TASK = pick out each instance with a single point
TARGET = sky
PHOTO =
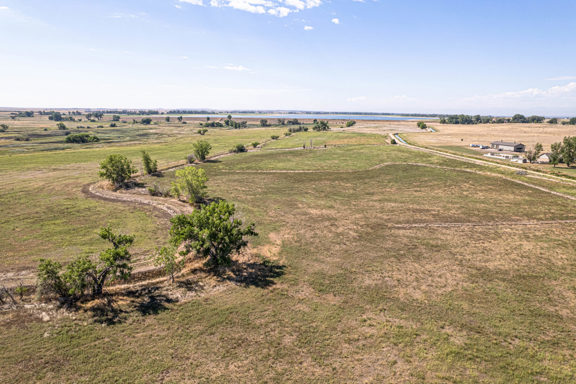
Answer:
(435, 56)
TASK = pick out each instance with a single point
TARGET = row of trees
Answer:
(518, 118)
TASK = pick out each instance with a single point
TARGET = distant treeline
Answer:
(477, 119)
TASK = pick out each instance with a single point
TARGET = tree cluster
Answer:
(81, 138)
(321, 125)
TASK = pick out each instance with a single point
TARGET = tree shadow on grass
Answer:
(254, 274)
(115, 309)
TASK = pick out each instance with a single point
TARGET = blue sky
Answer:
(484, 56)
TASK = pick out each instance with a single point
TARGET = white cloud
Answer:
(193, 2)
(128, 15)
(237, 68)
(177, 6)
(557, 91)
(279, 8)
(308, 27)
(356, 99)
(562, 78)
(335, 20)
(4, 8)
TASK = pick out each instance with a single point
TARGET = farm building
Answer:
(544, 158)
(507, 146)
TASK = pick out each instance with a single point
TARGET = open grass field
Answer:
(372, 283)
(457, 138)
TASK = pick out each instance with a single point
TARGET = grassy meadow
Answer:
(360, 294)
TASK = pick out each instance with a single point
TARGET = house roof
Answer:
(507, 143)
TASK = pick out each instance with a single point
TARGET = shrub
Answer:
(117, 169)
(287, 133)
(190, 159)
(300, 128)
(81, 138)
(3, 127)
(255, 144)
(156, 190)
(61, 126)
(201, 149)
(150, 166)
(393, 141)
(211, 232)
(238, 148)
(274, 137)
(22, 138)
(350, 123)
(190, 181)
(146, 121)
(113, 125)
(321, 125)
(202, 131)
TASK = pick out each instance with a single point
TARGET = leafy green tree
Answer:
(190, 181)
(212, 232)
(533, 154)
(81, 138)
(180, 118)
(201, 149)
(117, 169)
(264, 123)
(350, 123)
(553, 121)
(238, 148)
(168, 259)
(115, 117)
(146, 121)
(61, 126)
(114, 263)
(422, 125)
(49, 279)
(150, 166)
(321, 125)
(274, 137)
(569, 150)
(3, 127)
(167, 118)
(555, 153)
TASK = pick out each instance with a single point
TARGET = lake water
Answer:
(303, 116)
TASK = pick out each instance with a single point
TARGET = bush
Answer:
(393, 141)
(350, 123)
(113, 125)
(202, 131)
(81, 138)
(211, 232)
(150, 166)
(156, 190)
(22, 138)
(190, 159)
(201, 149)
(321, 125)
(274, 137)
(146, 121)
(99, 126)
(287, 133)
(61, 126)
(3, 127)
(300, 128)
(255, 144)
(422, 125)
(117, 169)
(238, 148)
(190, 181)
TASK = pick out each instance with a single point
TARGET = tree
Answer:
(518, 118)
(321, 125)
(83, 274)
(180, 118)
(274, 137)
(569, 150)
(61, 126)
(202, 131)
(150, 166)
(201, 149)
(167, 258)
(553, 121)
(190, 181)
(114, 262)
(238, 148)
(117, 169)
(350, 123)
(533, 154)
(555, 153)
(422, 125)
(212, 232)
(115, 117)
(3, 127)
(146, 121)
(255, 144)
(264, 123)
(167, 118)
(81, 138)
